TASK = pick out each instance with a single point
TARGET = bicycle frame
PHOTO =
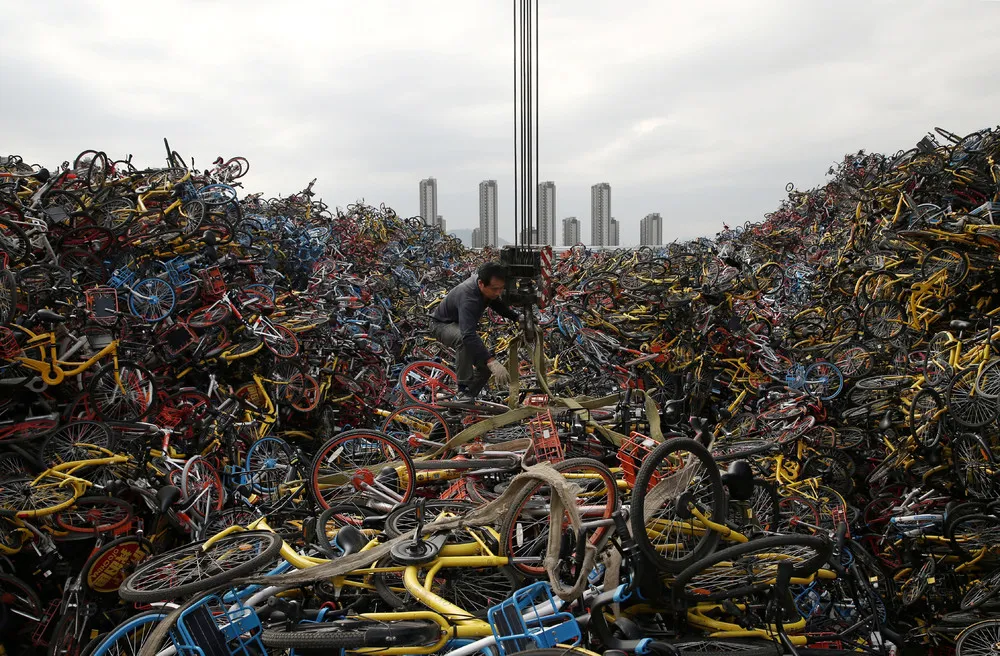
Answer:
(54, 369)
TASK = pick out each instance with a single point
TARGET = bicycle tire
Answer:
(715, 495)
(400, 425)
(174, 564)
(975, 469)
(321, 635)
(208, 315)
(8, 296)
(63, 640)
(514, 528)
(286, 345)
(982, 590)
(152, 300)
(129, 636)
(883, 320)
(966, 407)
(924, 424)
(197, 475)
(726, 646)
(13, 241)
(823, 380)
(978, 639)
(351, 480)
(113, 402)
(815, 551)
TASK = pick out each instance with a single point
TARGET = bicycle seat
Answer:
(958, 324)
(48, 316)
(350, 539)
(886, 422)
(167, 496)
(739, 480)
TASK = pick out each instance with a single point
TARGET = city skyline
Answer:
(545, 231)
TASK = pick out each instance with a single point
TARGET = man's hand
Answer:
(499, 372)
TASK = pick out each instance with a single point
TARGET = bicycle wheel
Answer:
(13, 241)
(524, 533)
(988, 380)
(359, 466)
(677, 472)
(351, 633)
(75, 441)
(423, 382)
(20, 600)
(970, 534)
(980, 639)
(208, 315)
(945, 257)
(926, 410)
(91, 516)
(751, 567)
(283, 344)
(269, 462)
(981, 591)
(127, 393)
(199, 478)
(727, 646)
(128, 638)
(27, 498)
(152, 299)
(974, 466)
(8, 296)
(193, 568)
(823, 380)
(883, 320)
(966, 405)
(419, 428)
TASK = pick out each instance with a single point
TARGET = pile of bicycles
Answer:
(224, 428)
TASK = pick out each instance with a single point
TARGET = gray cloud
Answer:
(700, 111)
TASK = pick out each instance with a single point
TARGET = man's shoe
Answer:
(464, 397)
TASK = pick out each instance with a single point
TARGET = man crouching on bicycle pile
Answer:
(455, 323)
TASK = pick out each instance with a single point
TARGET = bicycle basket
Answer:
(102, 305)
(545, 438)
(177, 338)
(632, 452)
(212, 626)
(215, 284)
(9, 348)
(527, 621)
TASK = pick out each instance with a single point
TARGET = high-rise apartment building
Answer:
(488, 213)
(475, 238)
(571, 231)
(547, 213)
(613, 233)
(651, 230)
(429, 200)
(441, 224)
(600, 214)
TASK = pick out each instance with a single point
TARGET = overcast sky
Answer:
(701, 111)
